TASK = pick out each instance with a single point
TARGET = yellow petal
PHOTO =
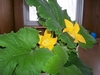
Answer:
(52, 41)
(76, 28)
(41, 46)
(69, 25)
(72, 34)
(50, 47)
(65, 30)
(75, 41)
(47, 41)
(79, 38)
(47, 34)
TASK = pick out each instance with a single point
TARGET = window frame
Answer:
(27, 22)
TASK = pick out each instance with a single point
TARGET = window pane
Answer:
(32, 14)
(70, 5)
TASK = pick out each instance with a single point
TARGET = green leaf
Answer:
(64, 37)
(58, 12)
(71, 70)
(23, 35)
(55, 65)
(50, 13)
(75, 60)
(89, 39)
(53, 25)
(36, 2)
(18, 53)
(65, 15)
(34, 62)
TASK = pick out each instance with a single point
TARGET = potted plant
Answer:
(27, 52)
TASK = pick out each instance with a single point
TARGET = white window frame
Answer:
(79, 14)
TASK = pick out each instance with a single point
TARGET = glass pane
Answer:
(32, 14)
(70, 5)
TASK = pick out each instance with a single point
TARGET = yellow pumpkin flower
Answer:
(73, 31)
(47, 41)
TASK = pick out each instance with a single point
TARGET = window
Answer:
(74, 8)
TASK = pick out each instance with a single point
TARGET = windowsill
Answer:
(35, 26)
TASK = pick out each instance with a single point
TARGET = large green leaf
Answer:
(65, 15)
(67, 39)
(55, 65)
(18, 55)
(20, 38)
(53, 26)
(89, 39)
(58, 12)
(36, 3)
(75, 60)
(34, 62)
(50, 14)
(71, 70)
